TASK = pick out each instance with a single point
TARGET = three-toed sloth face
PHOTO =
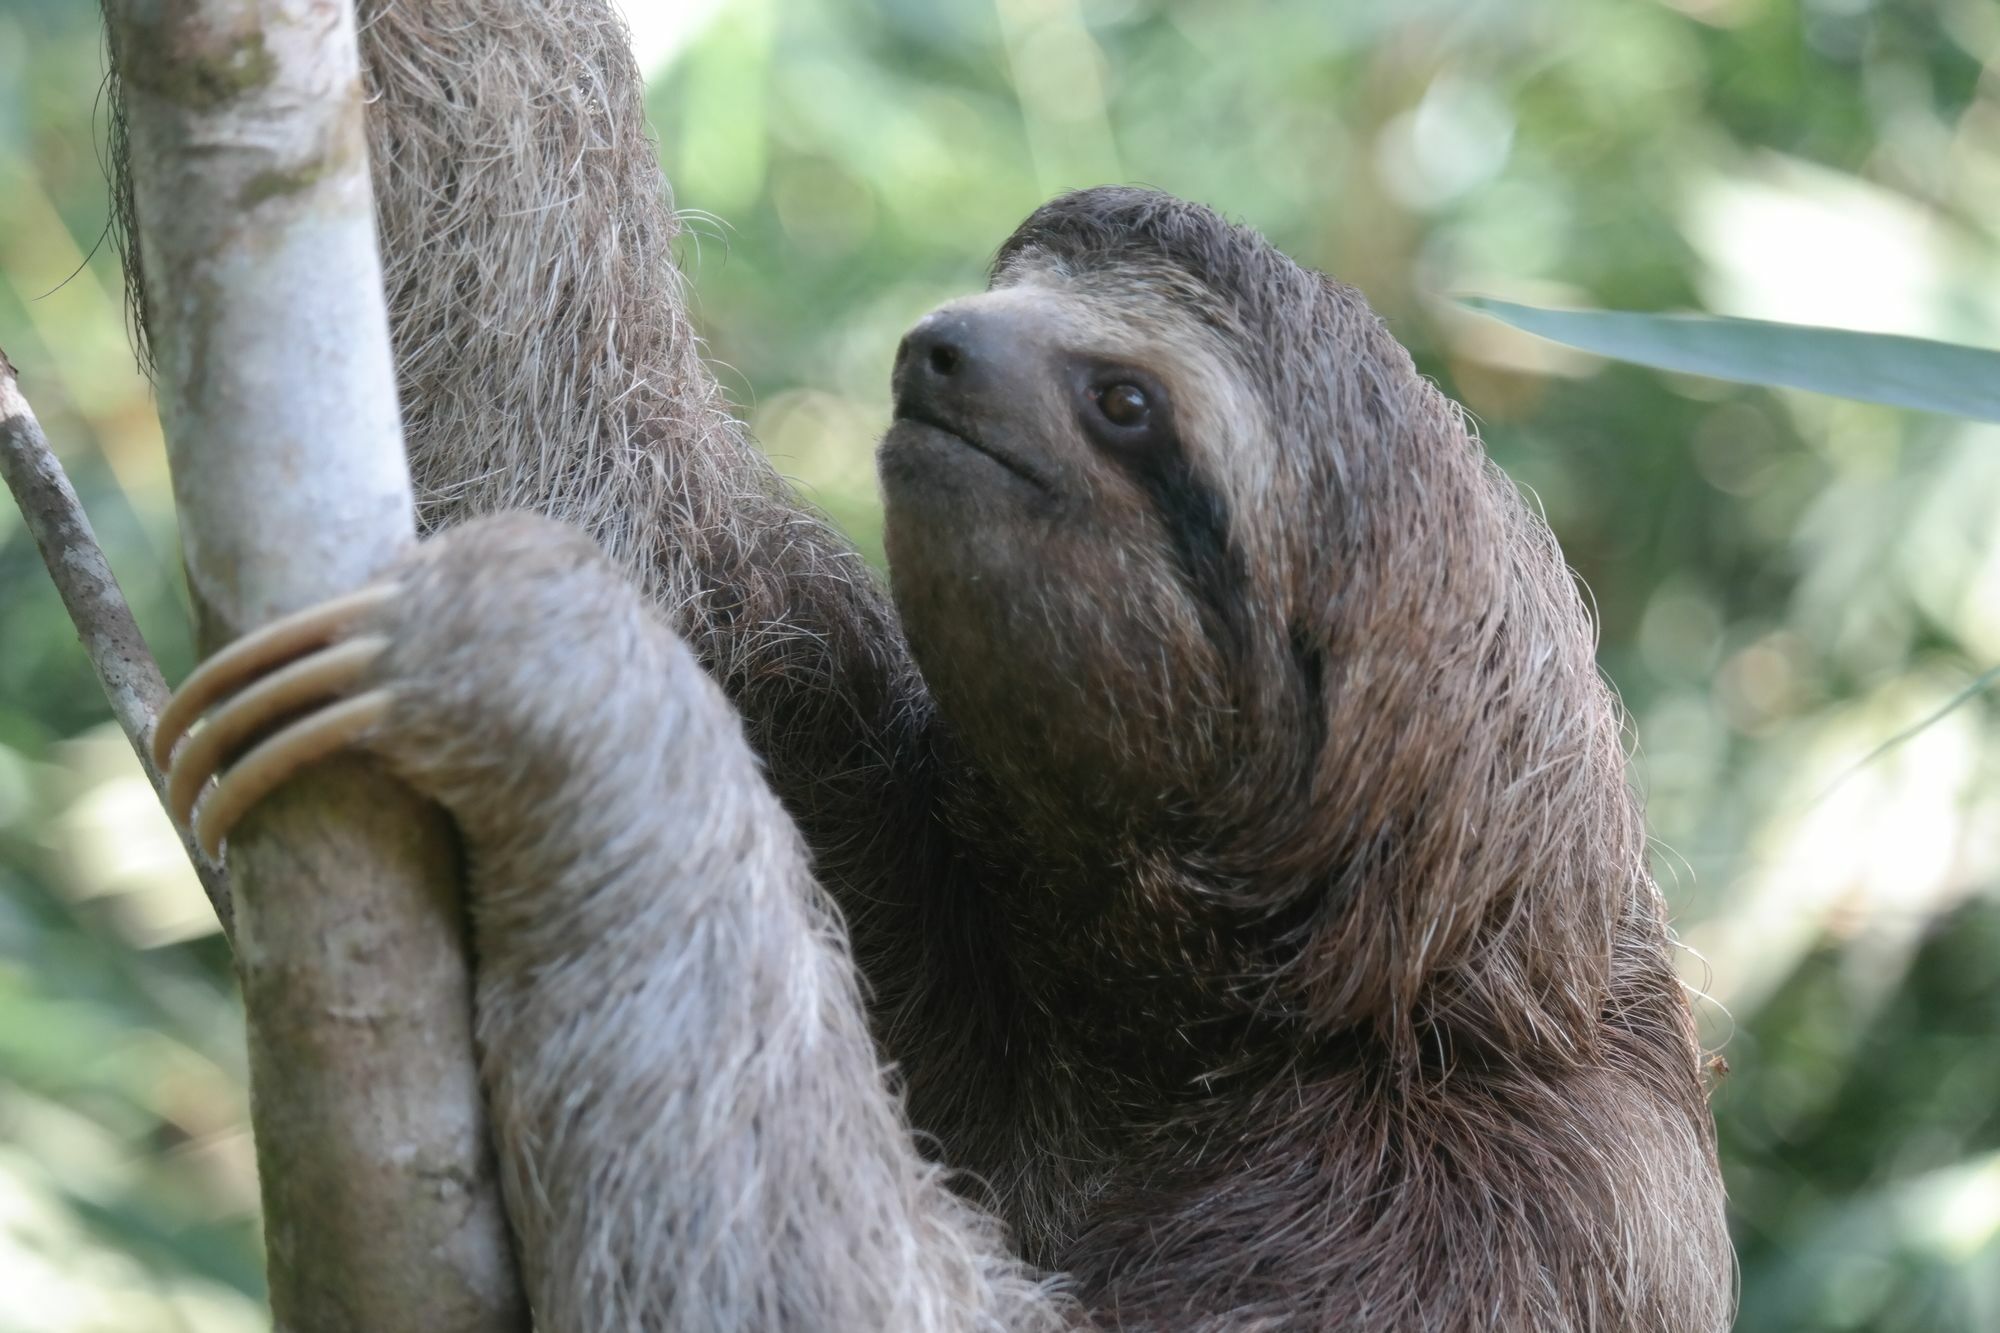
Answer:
(1060, 527)
(1090, 494)
(1206, 577)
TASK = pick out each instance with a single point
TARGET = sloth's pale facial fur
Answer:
(1066, 457)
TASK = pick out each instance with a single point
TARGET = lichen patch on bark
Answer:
(191, 64)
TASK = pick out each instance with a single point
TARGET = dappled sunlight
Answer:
(1869, 855)
(1774, 236)
(119, 847)
(60, 1278)
(128, 1189)
(660, 32)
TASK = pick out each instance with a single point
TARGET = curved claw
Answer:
(324, 675)
(255, 653)
(253, 777)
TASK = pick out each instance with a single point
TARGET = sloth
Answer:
(1202, 893)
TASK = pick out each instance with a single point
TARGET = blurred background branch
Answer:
(1784, 581)
(130, 678)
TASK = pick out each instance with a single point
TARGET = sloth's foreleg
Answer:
(694, 1128)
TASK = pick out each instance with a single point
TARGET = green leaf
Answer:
(1873, 367)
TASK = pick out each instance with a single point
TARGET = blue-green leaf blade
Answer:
(1872, 367)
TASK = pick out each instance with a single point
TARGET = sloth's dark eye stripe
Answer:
(1196, 516)
(1198, 526)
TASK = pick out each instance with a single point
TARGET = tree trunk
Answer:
(264, 304)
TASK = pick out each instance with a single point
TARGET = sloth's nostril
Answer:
(944, 358)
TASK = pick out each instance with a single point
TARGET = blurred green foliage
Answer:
(1783, 581)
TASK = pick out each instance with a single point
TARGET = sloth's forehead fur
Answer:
(1268, 355)
(1219, 273)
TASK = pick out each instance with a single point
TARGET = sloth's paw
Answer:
(276, 700)
(505, 651)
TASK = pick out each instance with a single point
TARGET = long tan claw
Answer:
(256, 774)
(324, 675)
(255, 653)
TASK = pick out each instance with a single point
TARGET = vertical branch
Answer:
(264, 307)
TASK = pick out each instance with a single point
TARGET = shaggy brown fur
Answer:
(1237, 854)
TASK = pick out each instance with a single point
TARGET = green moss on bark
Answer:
(197, 70)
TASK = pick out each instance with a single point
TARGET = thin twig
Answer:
(1984, 681)
(90, 592)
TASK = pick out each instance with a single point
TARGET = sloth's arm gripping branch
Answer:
(546, 361)
(545, 352)
(695, 1130)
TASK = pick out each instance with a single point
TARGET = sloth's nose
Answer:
(946, 369)
(938, 348)
(963, 360)
(973, 371)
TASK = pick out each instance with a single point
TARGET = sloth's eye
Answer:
(1123, 405)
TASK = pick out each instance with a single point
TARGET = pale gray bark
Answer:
(265, 310)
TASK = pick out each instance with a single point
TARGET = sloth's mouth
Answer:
(917, 416)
